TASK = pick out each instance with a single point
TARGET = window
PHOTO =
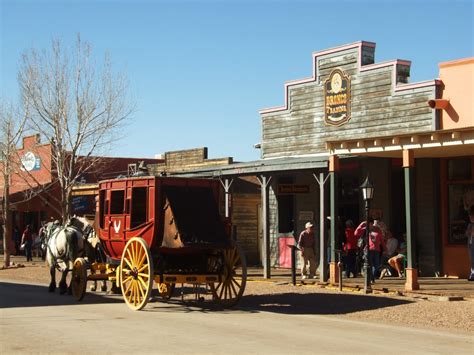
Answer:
(116, 201)
(459, 169)
(460, 197)
(139, 207)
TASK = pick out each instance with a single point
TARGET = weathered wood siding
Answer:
(245, 217)
(185, 160)
(377, 110)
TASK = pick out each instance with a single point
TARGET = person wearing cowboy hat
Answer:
(306, 245)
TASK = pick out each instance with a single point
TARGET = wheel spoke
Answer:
(128, 263)
(142, 258)
(143, 268)
(142, 293)
(222, 291)
(134, 252)
(127, 279)
(128, 287)
(142, 282)
(139, 254)
(129, 258)
(234, 281)
(231, 287)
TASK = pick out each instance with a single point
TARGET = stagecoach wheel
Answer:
(79, 279)
(165, 290)
(136, 273)
(233, 279)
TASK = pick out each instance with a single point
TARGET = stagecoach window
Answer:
(101, 208)
(116, 201)
(139, 206)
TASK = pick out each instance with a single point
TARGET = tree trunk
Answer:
(6, 222)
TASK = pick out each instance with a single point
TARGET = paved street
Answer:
(34, 321)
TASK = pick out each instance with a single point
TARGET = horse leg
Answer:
(63, 284)
(52, 284)
(103, 286)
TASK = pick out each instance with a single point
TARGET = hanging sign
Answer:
(293, 189)
(30, 162)
(337, 98)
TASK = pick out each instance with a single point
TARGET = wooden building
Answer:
(414, 139)
(355, 116)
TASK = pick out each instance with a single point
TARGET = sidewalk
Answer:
(429, 286)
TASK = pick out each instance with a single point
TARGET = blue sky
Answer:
(200, 70)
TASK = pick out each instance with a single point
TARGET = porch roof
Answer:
(260, 167)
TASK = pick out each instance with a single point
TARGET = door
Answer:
(117, 214)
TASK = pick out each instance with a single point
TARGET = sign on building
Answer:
(337, 98)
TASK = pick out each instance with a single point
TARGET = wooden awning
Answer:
(435, 144)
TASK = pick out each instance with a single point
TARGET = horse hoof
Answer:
(103, 288)
(51, 288)
(93, 288)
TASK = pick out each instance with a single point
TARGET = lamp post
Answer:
(367, 189)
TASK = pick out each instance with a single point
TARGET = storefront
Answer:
(415, 141)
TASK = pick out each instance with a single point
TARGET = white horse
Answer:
(63, 245)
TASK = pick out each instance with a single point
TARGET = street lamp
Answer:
(367, 189)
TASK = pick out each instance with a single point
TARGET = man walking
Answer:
(306, 245)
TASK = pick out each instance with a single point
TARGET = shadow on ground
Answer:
(23, 295)
(316, 303)
(284, 303)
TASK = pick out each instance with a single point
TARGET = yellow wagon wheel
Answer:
(79, 278)
(136, 273)
(166, 290)
(233, 279)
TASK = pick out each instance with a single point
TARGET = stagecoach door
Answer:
(117, 214)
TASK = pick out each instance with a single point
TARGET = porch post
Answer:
(264, 182)
(333, 172)
(411, 271)
(322, 229)
(226, 185)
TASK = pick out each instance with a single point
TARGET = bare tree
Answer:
(12, 124)
(77, 105)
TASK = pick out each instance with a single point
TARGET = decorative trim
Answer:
(359, 45)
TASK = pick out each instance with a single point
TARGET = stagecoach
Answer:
(163, 231)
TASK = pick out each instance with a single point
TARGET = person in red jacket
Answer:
(350, 248)
(376, 246)
(27, 240)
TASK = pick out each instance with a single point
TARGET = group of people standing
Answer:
(383, 248)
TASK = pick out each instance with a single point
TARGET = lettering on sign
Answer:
(293, 189)
(337, 98)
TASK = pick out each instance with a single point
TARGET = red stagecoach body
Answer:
(172, 215)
